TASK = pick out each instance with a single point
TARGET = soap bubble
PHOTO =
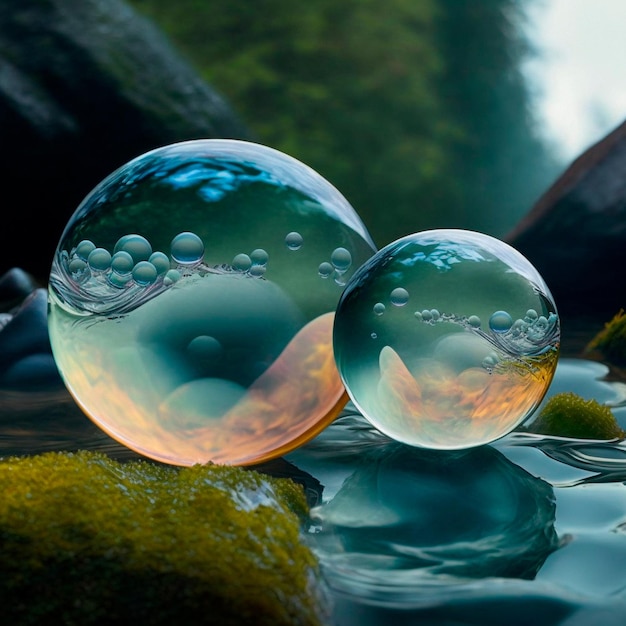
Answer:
(207, 335)
(436, 376)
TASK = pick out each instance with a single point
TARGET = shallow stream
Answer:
(530, 529)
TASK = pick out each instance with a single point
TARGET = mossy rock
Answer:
(569, 415)
(610, 342)
(88, 540)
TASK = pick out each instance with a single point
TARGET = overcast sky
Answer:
(581, 76)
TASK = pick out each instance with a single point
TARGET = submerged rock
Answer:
(88, 540)
(26, 356)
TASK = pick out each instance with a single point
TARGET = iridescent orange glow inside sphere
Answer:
(192, 298)
(447, 339)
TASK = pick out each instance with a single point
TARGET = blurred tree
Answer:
(501, 164)
(415, 110)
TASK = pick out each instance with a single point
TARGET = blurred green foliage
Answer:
(416, 110)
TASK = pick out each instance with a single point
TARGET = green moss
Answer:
(569, 415)
(611, 340)
(88, 540)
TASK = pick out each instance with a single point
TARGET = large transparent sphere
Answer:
(446, 339)
(192, 298)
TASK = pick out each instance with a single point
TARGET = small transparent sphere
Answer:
(469, 360)
(188, 314)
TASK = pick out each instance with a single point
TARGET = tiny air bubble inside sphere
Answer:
(144, 273)
(187, 248)
(435, 377)
(122, 263)
(137, 246)
(259, 257)
(161, 261)
(242, 262)
(325, 269)
(341, 259)
(399, 296)
(84, 248)
(294, 240)
(99, 260)
(500, 322)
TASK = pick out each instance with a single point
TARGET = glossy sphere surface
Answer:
(188, 316)
(446, 339)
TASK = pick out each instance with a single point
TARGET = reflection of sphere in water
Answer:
(189, 316)
(411, 516)
(466, 353)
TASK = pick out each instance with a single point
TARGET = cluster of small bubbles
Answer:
(458, 374)
(254, 264)
(294, 240)
(518, 337)
(133, 261)
(340, 263)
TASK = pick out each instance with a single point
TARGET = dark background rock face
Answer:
(85, 87)
(576, 233)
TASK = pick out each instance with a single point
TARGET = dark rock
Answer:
(15, 285)
(35, 371)
(575, 235)
(25, 346)
(85, 87)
